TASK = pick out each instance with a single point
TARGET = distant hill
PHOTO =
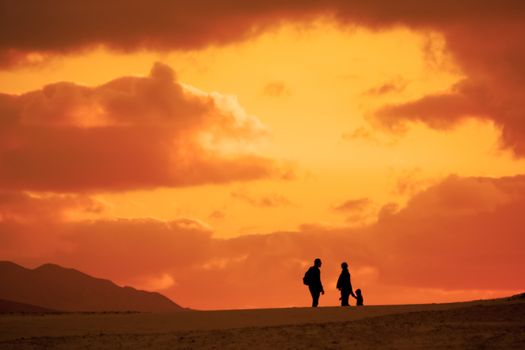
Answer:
(58, 288)
(13, 306)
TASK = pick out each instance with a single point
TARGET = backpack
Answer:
(307, 278)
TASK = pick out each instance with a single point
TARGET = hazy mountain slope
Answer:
(52, 286)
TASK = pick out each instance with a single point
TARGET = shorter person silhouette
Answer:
(359, 298)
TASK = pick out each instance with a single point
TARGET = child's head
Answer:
(358, 292)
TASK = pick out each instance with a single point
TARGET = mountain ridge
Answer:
(55, 287)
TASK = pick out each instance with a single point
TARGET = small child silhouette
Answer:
(359, 297)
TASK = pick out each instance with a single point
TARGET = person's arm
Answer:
(351, 289)
(321, 283)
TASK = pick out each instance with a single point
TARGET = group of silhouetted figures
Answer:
(312, 278)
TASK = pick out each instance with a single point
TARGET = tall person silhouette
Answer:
(345, 285)
(312, 278)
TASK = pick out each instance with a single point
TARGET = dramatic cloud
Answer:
(58, 26)
(464, 234)
(33, 31)
(267, 201)
(409, 182)
(19, 206)
(358, 211)
(31, 225)
(353, 205)
(129, 133)
(485, 41)
(392, 86)
(483, 37)
(439, 111)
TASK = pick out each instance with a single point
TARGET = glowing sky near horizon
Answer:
(225, 153)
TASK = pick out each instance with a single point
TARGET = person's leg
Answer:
(344, 297)
(315, 297)
(315, 300)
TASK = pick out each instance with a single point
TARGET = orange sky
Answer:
(224, 153)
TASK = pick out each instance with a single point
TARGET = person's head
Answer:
(317, 262)
(344, 266)
(358, 292)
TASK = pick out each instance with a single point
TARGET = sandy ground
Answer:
(496, 324)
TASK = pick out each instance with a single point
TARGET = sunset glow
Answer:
(224, 153)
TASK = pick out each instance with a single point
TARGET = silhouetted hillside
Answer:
(54, 287)
(13, 306)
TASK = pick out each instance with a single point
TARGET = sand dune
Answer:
(492, 324)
